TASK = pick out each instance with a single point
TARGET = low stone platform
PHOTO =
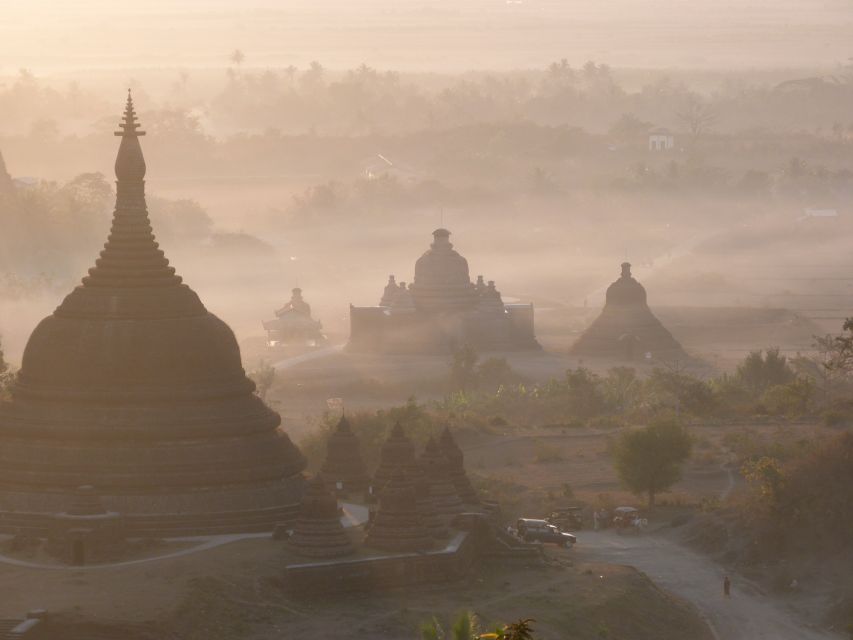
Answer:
(474, 539)
(166, 525)
(383, 571)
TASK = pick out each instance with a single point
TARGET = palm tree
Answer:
(467, 627)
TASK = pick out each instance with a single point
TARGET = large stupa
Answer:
(133, 387)
(627, 329)
(442, 309)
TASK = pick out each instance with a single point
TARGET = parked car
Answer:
(628, 519)
(567, 518)
(531, 530)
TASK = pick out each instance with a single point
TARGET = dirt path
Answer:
(747, 615)
(292, 361)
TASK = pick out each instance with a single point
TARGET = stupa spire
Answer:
(129, 125)
(131, 257)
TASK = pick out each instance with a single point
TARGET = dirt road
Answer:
(747, 615)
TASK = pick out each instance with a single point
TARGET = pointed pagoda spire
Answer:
(130, 163)
(456, 461)
(130, 125)
(397, 452)
(446, 500)
(132, 260)
(344, 468)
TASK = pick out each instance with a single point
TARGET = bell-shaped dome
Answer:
(627, 328)
(132, 386)
(442, 281)
(626, 290)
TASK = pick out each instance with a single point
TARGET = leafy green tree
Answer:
(6, 375)
(649, 460)
(680, 391)
(765, 473)
(463, 368)
(520, 630)
(629, 128)
(263, 377)
(792, 399)
(492, 373)
(761, 370)
(621, 388)
(584, 388)
(465, 627)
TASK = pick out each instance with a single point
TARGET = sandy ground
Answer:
(747, 615)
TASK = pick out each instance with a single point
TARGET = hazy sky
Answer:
(57, 35)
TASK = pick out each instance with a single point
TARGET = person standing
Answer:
(727, 587)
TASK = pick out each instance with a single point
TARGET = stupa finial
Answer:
(626, 269)
(130, 163)
(129, 124)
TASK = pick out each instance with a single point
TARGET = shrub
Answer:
(546, 453)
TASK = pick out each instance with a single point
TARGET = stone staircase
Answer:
(6, 627)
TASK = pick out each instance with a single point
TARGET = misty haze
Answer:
(444, 320)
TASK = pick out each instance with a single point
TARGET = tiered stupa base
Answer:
(316, 539)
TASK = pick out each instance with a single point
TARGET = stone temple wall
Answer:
(376, 330)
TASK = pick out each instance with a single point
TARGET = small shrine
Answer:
(446, 500)
(456, 464)
(318, 532)
(343, 469)
(398, 525)
(294, 325)
(397, 453)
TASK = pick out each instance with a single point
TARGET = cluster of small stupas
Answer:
(133, 387)
(627, 329)
(418, 496)
(440, 310)
(294, 325)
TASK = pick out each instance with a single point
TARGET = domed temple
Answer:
(293, 324)
(441, 309)
(627, 329)
(131, 386)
